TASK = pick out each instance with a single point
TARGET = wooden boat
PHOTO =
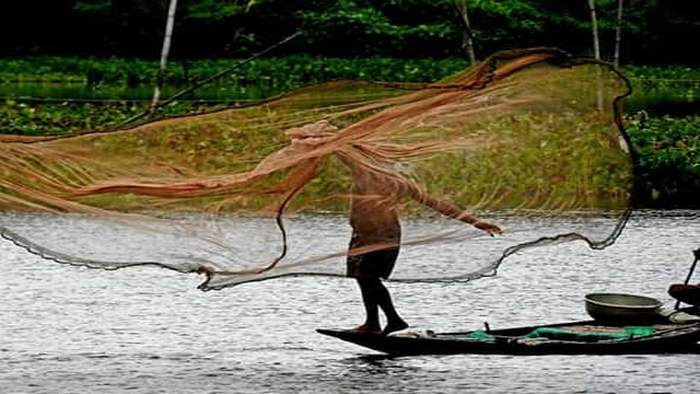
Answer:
(586, 337)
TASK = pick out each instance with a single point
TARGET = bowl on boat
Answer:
(617, 308)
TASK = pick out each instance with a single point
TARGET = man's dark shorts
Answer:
(375, 264)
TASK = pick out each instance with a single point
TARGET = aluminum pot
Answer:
(617, 308)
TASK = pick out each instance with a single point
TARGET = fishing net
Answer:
(528, 143)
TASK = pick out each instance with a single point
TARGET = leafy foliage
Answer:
(669, 159)
(282, 73)
(56, 118)
(354, 27)
(653, 30)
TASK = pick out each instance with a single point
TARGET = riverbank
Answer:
(55, 95)
(58, 95)
(284, 73)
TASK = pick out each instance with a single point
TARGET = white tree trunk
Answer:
(167, 38)
(596, 54)
(594, 27)
(467, 41)
(618, 33)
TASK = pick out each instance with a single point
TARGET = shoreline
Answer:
(667, 143)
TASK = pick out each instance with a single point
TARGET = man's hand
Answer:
(488, 227)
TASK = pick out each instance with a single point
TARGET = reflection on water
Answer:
(68, 329)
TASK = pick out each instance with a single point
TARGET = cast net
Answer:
(528, 142)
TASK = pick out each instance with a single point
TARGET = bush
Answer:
(668, 152)
(284, 73)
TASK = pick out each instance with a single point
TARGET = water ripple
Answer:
(146, 330)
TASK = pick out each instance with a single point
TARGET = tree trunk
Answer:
(594, 27)
(164, 53)
(596, 54)
(618, 33)
(468, 36)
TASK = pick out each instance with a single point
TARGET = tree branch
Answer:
(199, 84)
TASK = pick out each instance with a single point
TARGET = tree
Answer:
(655, 31)
(594, 29)
(363, 27)
(468, 35)
(164, 52)
(225, 16)
(596, 54)
(618, 33)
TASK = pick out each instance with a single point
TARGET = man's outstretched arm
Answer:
(451, 210)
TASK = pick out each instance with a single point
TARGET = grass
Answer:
(668, 146)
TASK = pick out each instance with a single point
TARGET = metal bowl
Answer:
(622, 308)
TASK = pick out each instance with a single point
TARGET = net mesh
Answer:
(525, 149)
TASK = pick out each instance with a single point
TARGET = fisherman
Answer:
(689, 294)
(376, 231)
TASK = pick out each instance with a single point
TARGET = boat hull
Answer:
(668, 339)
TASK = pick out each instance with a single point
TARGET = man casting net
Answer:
(528, 143)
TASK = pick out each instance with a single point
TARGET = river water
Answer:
(148, 330)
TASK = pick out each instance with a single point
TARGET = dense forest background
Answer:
(654, 31)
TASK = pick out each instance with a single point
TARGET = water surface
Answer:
(148, 330)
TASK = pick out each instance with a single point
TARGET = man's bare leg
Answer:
(369, 298)
(394, 321)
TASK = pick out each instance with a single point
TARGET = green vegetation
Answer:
(90, 72)
(670, 73)
(109, 78)
(669, 159)
(281, 73)
(65, 117)
(125, 86)
(654, 31)
(668, 147)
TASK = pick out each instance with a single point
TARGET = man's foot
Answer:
(394, 326)
(368, 329)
